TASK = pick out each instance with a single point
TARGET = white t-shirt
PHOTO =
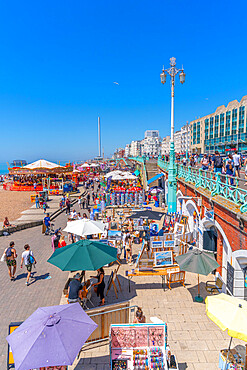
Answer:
(236, 159)
(24, 255)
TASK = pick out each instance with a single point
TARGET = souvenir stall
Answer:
(140, 346)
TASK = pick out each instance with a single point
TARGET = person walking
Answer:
(237, 163)
(47, 223)
(28, 258)
(88, 199)
(11, 256)
(204, 162)
(83, 203)
(37, 201)
(67, 206)
(80, 202)
(229, 169)
(217, 162)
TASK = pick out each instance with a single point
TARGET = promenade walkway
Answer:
(17, 301)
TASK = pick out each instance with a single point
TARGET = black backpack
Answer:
(218, 162)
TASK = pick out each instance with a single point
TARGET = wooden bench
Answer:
(175, 277)
(214, 287)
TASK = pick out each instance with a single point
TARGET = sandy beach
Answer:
(12, 203)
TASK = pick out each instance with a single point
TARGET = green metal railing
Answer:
(217, 183)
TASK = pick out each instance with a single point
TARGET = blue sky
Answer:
(59, 60)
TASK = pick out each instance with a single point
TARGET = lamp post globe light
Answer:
(172, 181)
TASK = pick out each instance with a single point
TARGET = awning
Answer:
(155, 178)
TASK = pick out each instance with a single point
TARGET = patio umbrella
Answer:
(152, 215)
(85, 227)
(51, 336)
(199, 262)
(83, 255)
(230, 314)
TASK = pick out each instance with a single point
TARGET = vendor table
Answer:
(154, 272)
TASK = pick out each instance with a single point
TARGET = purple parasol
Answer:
(51, 336)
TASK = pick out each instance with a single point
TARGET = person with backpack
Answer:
(230, 169)
(217, 162)
(29, 260)
(11, 255)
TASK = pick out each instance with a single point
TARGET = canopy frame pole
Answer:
(228, 352)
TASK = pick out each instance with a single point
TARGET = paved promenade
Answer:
(17, 301)
(192, 336)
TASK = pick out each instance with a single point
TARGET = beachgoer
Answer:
(85, 215)
(237, 163)
(217, 162)
(140, 318)
(204, 162)
(99, 287)
(29, 260)
(67, 206)
(37, 201)
(80, 202)
(55, 239)
(6, 223)
(73, 214)
(44, 206)
(11, 256)
(75, 290)
(47, 223)
(62, 242)
(229, 168)
(83, 203)
(79, 216)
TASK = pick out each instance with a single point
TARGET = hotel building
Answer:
(225, 130)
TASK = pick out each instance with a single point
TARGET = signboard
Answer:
(10, 359)
(163, 259)
(230, 278)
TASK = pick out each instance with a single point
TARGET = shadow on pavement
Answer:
(194, 291)
(182, 365)
(101, 362)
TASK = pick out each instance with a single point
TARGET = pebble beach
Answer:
(13, 203)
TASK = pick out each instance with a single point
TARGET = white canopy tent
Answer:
(42, 163)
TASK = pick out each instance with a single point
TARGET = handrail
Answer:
(215, 183)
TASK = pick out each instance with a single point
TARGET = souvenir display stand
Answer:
(140, 347)
(234, 361)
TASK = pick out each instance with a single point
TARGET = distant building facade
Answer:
(177, 141)
(151, 143)
(165, 145)
(224, 130)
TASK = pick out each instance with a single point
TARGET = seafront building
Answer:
(165, 145)
(151, 143)
(224, 130)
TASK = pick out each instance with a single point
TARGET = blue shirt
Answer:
(47, 221)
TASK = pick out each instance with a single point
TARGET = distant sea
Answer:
(3, 168)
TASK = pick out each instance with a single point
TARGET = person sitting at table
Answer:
(140, 318)
(6, 223)
(99, 287)
(75, 290)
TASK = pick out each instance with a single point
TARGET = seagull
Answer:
(116, 83)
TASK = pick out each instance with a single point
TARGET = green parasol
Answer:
(84, 255)
(199, 262)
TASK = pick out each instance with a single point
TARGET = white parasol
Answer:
(85, 227)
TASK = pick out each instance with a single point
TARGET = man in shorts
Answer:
(28, 259)
(11, 255)
(47, 223)
(237, 163)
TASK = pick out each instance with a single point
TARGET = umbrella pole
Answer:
(228, 352)
(198, 298)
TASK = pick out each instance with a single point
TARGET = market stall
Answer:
(140, 346)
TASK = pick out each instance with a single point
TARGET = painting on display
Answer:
(179, 229)
(163, 259)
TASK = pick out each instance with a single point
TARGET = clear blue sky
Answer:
(59, 60)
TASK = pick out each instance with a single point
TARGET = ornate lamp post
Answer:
(172, 182)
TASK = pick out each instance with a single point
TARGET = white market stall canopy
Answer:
(42, 164)
(85, 227)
